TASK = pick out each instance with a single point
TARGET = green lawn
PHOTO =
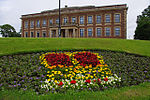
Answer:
(140, 92)
(17, 45)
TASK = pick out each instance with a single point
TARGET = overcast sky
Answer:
(11, 10)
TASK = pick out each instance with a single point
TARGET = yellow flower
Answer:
(53, 78)
(66, 70)
(86, 78)
(48, 80)
(86, 67)
(91, 76)
(55, 72)
(59, 72)
(55, 81)
(48, 72)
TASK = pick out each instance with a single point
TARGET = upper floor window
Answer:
(44, 34)
(44, 22)
(50, 21)
(65, 20)
(81, 20)
(117, 18)
(57, 21)
(32, 24)
(107, 31)
(38, 23)
(90, 20)
(98, 19)
(107, 18)
(38, 34)
(98, 31)
(26, 24)
(90, 32)
(73, 19)
(81, 32)
(31, 34)
(117, 31)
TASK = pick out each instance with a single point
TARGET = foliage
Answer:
(143, 25)
(24, 72)
(8, 31)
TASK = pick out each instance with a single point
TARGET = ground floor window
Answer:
(117, 31)
(26, 34)
(107, 31)
(44, 34)
(38, 34)
(98, 31)
(31, 34)
(81, 32)
(90, 32)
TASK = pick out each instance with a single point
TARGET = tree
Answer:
(142, 31)
(7, 30)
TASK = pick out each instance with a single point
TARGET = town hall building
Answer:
(78, 22)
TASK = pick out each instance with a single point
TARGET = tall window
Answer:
(81, 20)
(90, 20)
(50, 22)
(73, 20)
(32, 24)
(98, 31)
(31, 34)
(98, 19)
(117, 31)
(107, 31)
(65, 20)
(38, 34)
(57, 21)
(81, 32)
(44, 34)
(90, 32)
(38, 23)
(107, 18)
(26, 24)
(44, 22)
(117, 18)
(26, 34)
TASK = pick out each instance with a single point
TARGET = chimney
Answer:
(66, 6)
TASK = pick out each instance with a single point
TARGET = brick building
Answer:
(77, 22)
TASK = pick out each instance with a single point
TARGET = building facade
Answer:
(78, 22)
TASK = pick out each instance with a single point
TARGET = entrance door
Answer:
(62, 33)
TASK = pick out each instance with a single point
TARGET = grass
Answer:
(140, 92)
(21, 45)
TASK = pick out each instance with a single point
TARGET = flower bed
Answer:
(78, 70)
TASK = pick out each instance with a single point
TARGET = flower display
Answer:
(76, 70)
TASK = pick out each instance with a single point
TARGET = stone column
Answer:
(74, 32)
(56, 32)
(66, 33)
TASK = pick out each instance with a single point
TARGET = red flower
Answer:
(106, 79)
(94, 80)
(61, 83)
(88, 81)
(73, 82)
(99, 80)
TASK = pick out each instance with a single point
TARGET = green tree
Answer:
(7, 30)
(142, 31)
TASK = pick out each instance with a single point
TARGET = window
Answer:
(31, 34)
(26, 24)
(107, 31)
(44, 22)
(38, 34)
(117, 31)
(73, 20)
(38, 23)
(81, 20)
(57, 21)
(98, 19)
(107, 18)
(50, 22)
(44, 34)
(117, 18)
(90, 32)
(65, 20)
(81, 32)
(32, 24)
(98, 31)
(89, 19)
(26, 34)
